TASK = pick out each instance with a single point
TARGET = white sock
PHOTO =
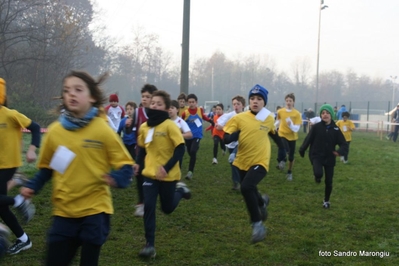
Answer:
(23, 238)
(18, 200)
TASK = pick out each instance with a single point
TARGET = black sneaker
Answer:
(27, 210)
(263, 209)
(148, 252)
(186, 191)
(19, 246)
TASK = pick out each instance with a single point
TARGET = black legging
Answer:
(216, 141)
(253, 199)
(5, 213)
(192, 148)
(329, 174)
(61, 253)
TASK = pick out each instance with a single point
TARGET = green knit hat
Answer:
(328, 108)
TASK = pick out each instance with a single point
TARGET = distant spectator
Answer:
(395, 119)
(340, 111)
(335, 113)
(305, 120)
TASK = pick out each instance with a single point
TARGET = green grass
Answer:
(213, 227)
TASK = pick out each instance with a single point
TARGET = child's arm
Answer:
(35, 142)
(34, 185)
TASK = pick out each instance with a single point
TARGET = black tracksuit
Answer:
(323, 139)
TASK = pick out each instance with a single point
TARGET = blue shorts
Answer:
(93, 229)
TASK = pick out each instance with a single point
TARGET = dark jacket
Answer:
(323, 139)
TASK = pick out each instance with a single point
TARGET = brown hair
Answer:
(165, 96)
(182, 96)
(239, 99)
(175, 104)
(132, 104)
(93, 85)
(290, 95)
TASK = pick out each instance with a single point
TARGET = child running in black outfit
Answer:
(322, 138)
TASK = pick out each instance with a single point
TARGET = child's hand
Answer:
(27, 193)
(336, 153)
(128, 122)
(161, 174)
(31, 154)
(110, 181)
(136, 169)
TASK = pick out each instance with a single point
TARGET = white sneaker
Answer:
(342, 159)
(139, 210)
(215, 161)
(289, 177)
(281, 165)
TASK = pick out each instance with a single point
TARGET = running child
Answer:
(322, 139)
(194, 116)
(290, 121)
(346, 127)
(77, 155)
(126, 126)
(162, 142)
(140, 118)
(114, 111)
(217, 134)
(11, 124)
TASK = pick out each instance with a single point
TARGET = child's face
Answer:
(256, 103)
(129, 110)
(345, 118)
(158, 103)
(289, 103)
(237, 105)
(76, 96)
(192, 103)
(172, 111)
(146, 99)
(219, 110)
(182, 103)
(114, 104)
(326, 117)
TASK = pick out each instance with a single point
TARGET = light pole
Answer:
(322, 6)
(393, 89)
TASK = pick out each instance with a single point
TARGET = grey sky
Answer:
(357, 35)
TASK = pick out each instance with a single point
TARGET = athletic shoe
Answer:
(186, 191)
(19, 246)
(236, 186)
(215, 161)
(317, 180)
(289, 177)
(281, 165)
(148, 252)
(224, 153)
(387, 137)
(139, 210)
(189, 175)
(263, 209)
(4, 243)
(20, 179)
(326, 204)
(258, 232)
(342, 159)
(27, 210)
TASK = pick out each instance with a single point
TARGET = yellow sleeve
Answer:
(231, 125)
(141, 135)
(20, 119)
(46, 151)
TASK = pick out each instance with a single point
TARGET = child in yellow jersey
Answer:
(252, 129)
(11, 123)
(182, 99)
(162, 147)
(83, 157)
(290, 121)
(346, 127)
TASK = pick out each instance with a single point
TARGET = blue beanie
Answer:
(260, 91)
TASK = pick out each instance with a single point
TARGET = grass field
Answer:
(213, 227)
